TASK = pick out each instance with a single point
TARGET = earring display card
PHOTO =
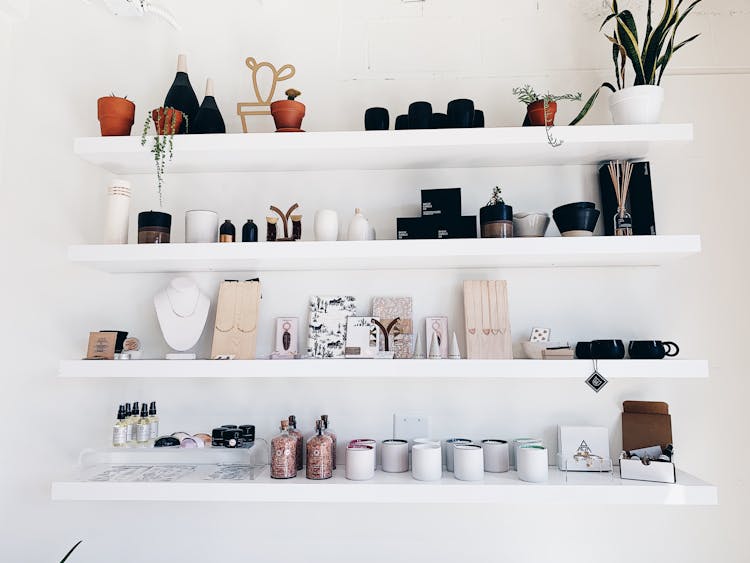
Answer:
(327, 327)
(389, 308)
(362, 337)
(540, 335)
(439, 327)
(583, 448)
(101, 346)
(488, 335)
(236, 327)
(286, 338)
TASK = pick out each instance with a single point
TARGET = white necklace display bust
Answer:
(182, 310)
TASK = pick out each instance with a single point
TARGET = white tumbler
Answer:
(517, 443)
(533, 463)
(360, 462)
(426, 462)
(394, 456)
(118, 212)
(468, 462)
(201, 226)
(368, 442)
(326, 225)
(449, 450)
(496, 456)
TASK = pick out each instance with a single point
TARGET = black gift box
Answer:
(445, 202)
(437, 227)
(639, 203)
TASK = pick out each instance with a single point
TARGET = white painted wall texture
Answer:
(351, 55)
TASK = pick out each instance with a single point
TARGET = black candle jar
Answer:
(154, 227)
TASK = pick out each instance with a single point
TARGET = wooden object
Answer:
(488, 333)
(644, 424)
(388, 309)
(558, 354)
(101, 346)
(285, 220)
(236, 320)
(262, 103)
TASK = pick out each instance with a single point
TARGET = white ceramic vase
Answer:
(533, 464)
(468, 462)
(496, 456)
(118, 212)
(201, 226)
(636, 105)
(326, 224)
(426, 462)
(394, 456)
(359, 227)
(360, 462)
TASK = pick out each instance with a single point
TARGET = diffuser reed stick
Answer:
(620, 173)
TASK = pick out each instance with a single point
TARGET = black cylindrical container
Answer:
(250, 232)
(420, 114)
(217, 437)
(227, 232)
(461, 113)
(232, 438)
(248, 432)
(154, 227)
(377, 119)
(496, 221)
(439, 121)
(478, 118)
(402, 122)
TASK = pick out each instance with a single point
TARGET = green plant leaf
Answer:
(683, 43)
(72, 549)
(653, 49)
(628, 37)
(590, 102)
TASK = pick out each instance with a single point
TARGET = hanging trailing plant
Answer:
(167, 122)
(548, 105)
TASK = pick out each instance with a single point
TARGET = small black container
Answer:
(217, 437)
(461, 113)
(496, 221)
(583, 350)
(227, 232)
(402, 122)
(154, 227)
(250, 232)
(232, 438)
(420, 115)
(167, 442)
(607, 349)
(439, 121)
(248, 432)
(377, 119)
(478, 118)
(652, 349)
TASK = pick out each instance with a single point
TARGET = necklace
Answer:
(195, 305)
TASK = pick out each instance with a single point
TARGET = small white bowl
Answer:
(530, 224)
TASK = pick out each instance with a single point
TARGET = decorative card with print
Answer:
(400, 337)
(362, 337)
(327, 325)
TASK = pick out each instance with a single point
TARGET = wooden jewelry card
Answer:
(488, 334)
(236, 320)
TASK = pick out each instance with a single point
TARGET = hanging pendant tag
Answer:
(596, 380)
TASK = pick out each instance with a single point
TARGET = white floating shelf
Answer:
(388, 254)
(382, 369)
(384, 150)
(504, 488)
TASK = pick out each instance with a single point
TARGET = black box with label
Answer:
(640, 200)
(444, 202)
(439, 227)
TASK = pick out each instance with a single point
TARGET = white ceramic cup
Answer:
(394, 456)
(468, 460)
(368, 442)
(201, 226)
(517, 443)
(326, 224)
(360, 462)
(533, 465)
(426, 462)
(449, 450)
(496, 456)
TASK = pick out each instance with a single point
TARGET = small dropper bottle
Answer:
(129, 423)
(328, 432)
(143, 428)
(154, 421)
(120, 430)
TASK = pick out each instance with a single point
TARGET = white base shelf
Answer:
(382, 369)
(385, 150)
(388, 254)
(504, 488)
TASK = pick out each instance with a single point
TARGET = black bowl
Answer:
(581, 219)
(571, 206)
(583, 350)
(607, 349)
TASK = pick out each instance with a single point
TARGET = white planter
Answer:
(636, 105)
(533, 464)
(468, 462)
(426, 462)
(326, 224)
(201, 226)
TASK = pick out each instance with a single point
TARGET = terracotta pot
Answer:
(116, 116)
(164, 118)
(535, 112)
(288, 114)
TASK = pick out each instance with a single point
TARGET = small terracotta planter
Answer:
(167, 120)
(116, 116)
(535, 113)
(288, 115)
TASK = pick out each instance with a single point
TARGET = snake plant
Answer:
(649, 55)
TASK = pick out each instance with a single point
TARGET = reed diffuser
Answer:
(620, 172)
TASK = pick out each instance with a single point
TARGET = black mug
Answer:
(377, 119)
(652, 349)
(583, 350)
(402, 122)
(420, 115)
(607, 349)
(478, 118)
(461, 113)
(439, 121)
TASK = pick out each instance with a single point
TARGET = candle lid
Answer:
(154, 219)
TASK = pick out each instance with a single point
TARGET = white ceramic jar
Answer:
(360, 462)
(368, 442)
(118, 212)
(201, 226)
(496, 456)
(517, 443)
(468, 462)
(449, 453)
(394, 456)
(533, 464)
(637, 105)
(426, 462)
(326, 224)
(359, 227)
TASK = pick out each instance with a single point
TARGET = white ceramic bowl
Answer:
(530, 224)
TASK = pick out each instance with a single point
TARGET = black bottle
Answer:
(250, 232)
(209, 118)
(227, 232)
(181, 95)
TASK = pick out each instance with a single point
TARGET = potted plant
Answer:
(116, 115)
(167, 122)
(288, 114)
(641, 102)
(540, 110)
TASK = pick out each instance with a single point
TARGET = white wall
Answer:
(351, 55)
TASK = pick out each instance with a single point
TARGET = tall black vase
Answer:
(181, 96)
(209, 118)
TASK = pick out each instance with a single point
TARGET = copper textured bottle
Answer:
(319, 455)
(328, 432)
(300, 440)
(284, 454)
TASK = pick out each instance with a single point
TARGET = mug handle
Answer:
(671, 349)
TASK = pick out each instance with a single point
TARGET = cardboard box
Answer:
(645, 424)
(658, 471)
(443, 202)
(411, 228)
